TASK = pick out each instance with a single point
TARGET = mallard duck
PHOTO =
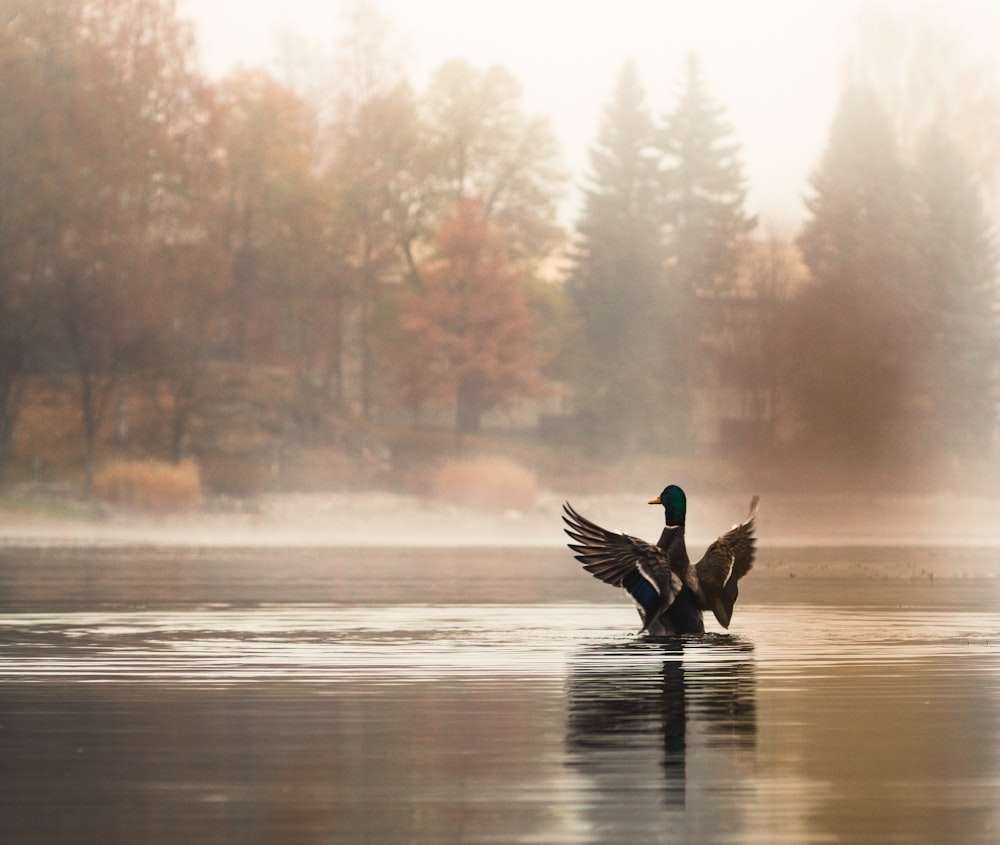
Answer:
(669, 592)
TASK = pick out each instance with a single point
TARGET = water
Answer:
(165, 696)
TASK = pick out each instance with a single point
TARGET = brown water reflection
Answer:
(830, 715)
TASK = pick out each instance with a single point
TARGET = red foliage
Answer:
(468, 332)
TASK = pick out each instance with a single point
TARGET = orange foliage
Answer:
(150, 486)
(469, 334)
(491, 484)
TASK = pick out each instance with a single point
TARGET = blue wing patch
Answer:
(643, 591)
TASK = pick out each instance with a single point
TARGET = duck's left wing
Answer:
(726, 561)
(640, 568)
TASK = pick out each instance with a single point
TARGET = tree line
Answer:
(871, 336)
(382, 248)
(378, 245)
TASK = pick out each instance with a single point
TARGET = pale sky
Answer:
(772, 64)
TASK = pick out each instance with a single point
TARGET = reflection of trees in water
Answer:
(662, 723)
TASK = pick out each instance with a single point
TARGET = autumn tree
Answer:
(373, 179)
(616, 283)
(190, 269)
(467, 332)
(484, 147)
(395, 165)
(272, 222)
(370, 157)
(37, 63)
(192, 283)
(123, 68)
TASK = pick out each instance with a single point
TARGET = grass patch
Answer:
(150, 486)
(491, 484)
(40, 507)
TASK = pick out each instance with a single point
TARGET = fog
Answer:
(747, 52)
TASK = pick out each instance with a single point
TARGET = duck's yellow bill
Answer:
(655, 501)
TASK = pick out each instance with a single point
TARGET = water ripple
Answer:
(408, 643)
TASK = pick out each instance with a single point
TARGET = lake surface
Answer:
(152, 695)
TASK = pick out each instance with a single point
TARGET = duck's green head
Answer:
(674, 504)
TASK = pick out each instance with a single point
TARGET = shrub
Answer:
(150, 486)
(486, 484)
(234, 475)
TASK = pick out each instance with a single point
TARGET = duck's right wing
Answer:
(640, 568)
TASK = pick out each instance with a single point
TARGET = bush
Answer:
(234, 475)
(150, 486)
(491, 484)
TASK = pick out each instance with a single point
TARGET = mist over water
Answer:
(391, 521)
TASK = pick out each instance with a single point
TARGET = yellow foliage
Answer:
(150, 486)
(490, 484)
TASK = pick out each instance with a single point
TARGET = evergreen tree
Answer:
(705, 190)
(705, 233)
(961, 345)
(860, 317)
(616, 279)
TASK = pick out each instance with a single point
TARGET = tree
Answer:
(190, 269)
(754, 349)
(859, 318)
(37, 63)
(926, 71)
(616, 281)
(960, 346)
(395, 166)
(373, 178)
(705, 190)
(372, 162)
(468, 334)
(273, 209)
(192, 281)
(485, 148)
(126, 67)
(368, 62)
(706, 233)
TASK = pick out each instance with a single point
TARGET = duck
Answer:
(670, 593)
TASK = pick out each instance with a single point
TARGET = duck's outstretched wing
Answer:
(640, 568)
(726, 561)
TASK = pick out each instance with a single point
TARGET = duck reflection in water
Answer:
(676, 717)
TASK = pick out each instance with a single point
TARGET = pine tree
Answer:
(859, 319)
(616, 280)
(961, 345)
(705, 190)
(705, 234)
